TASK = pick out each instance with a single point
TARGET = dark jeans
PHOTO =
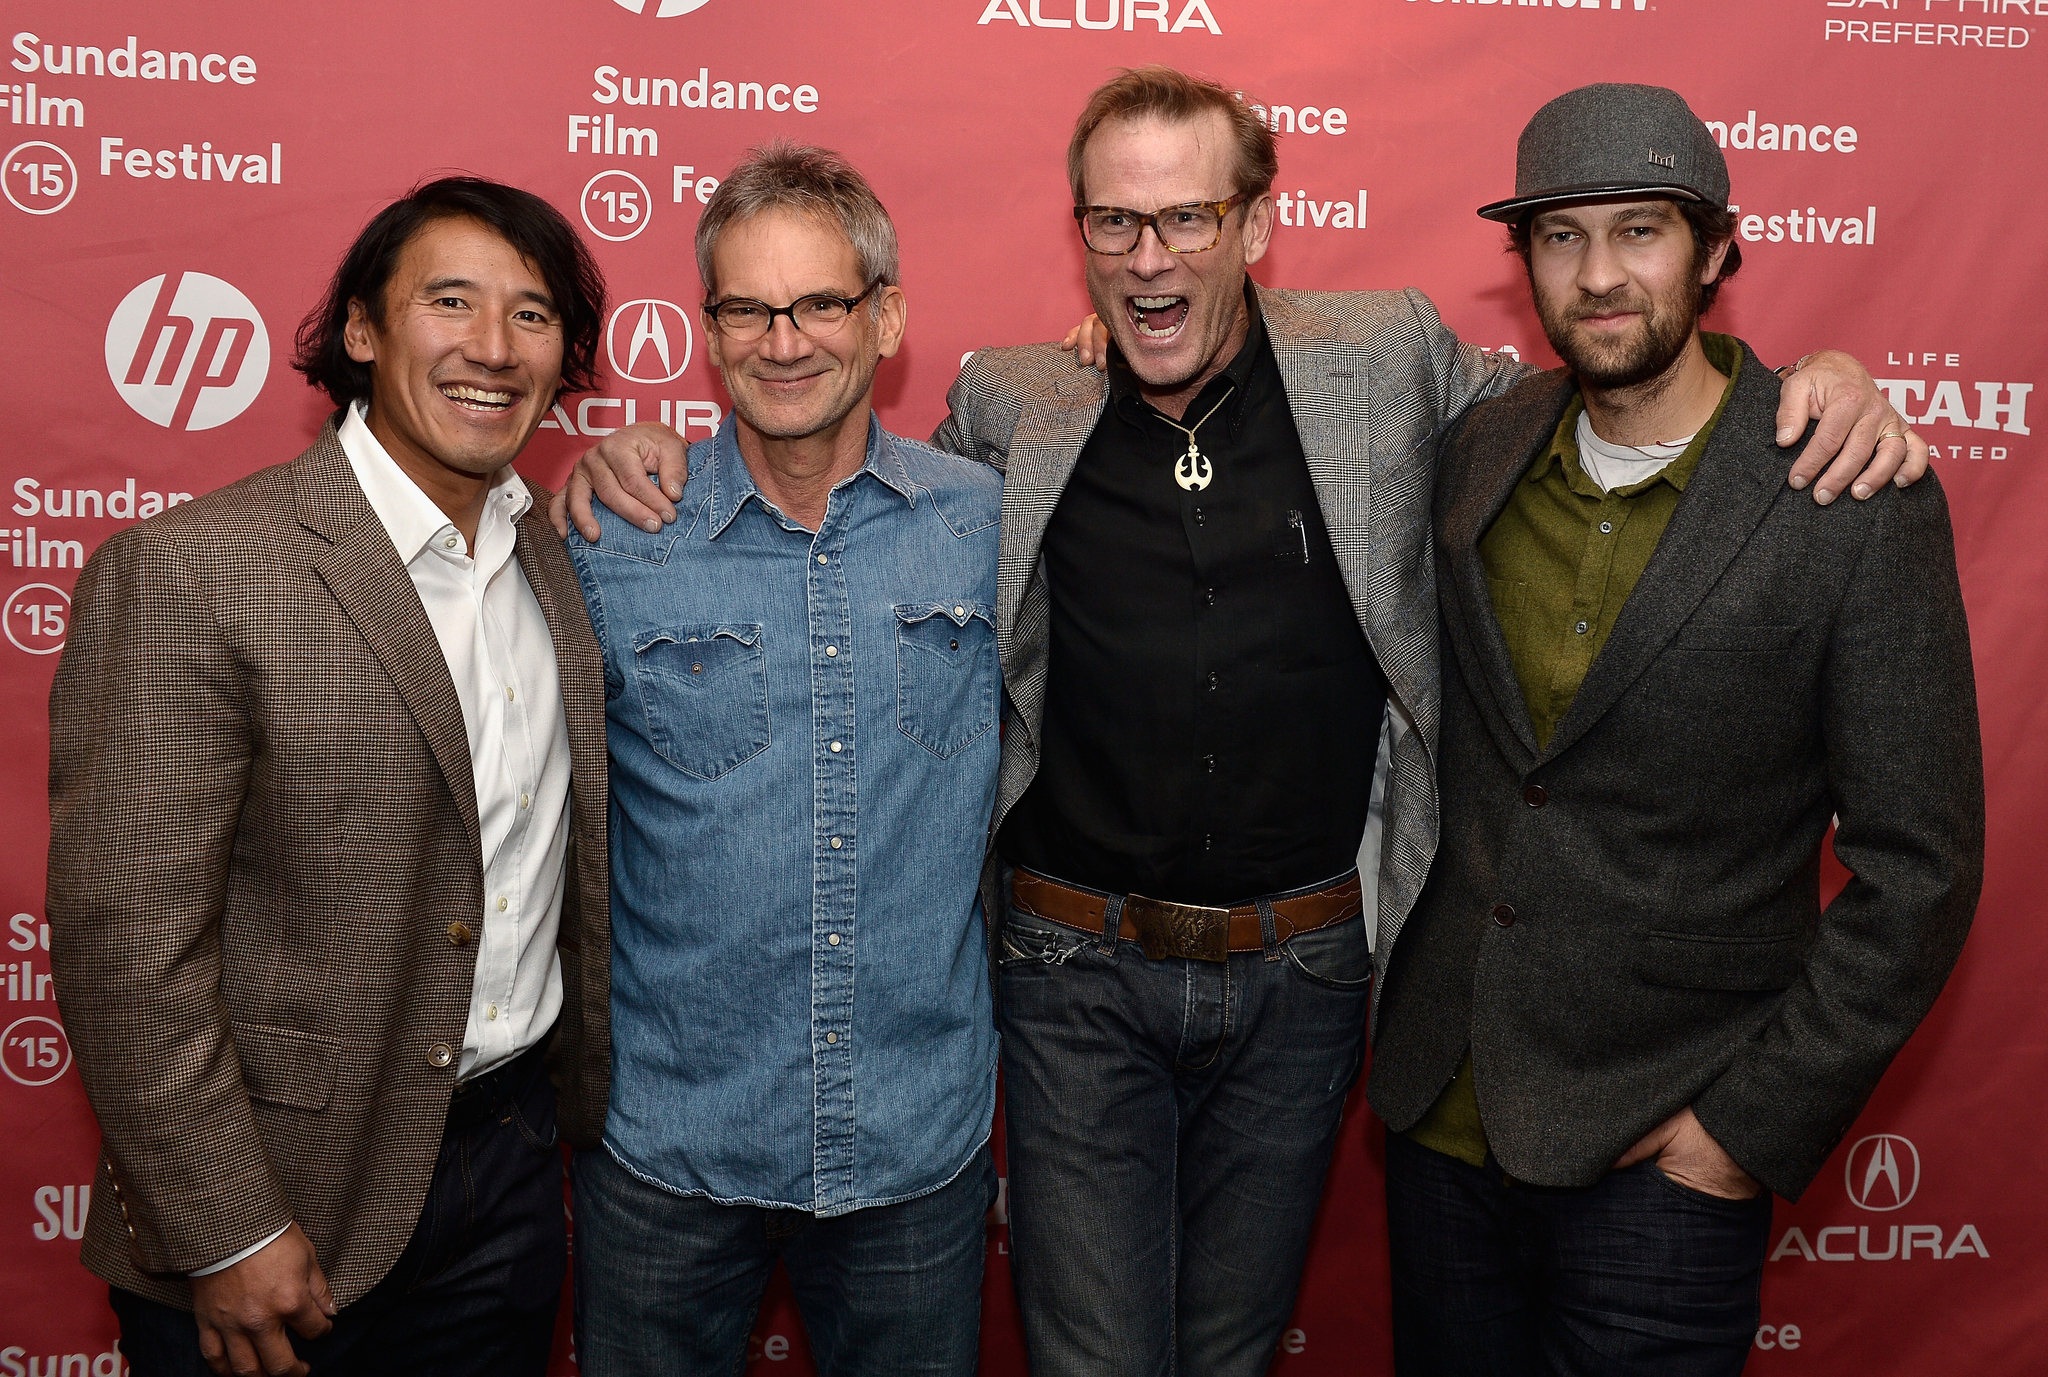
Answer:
(670, 1284)
(478, 1285)
(1637, 1275)
(1169, 1126)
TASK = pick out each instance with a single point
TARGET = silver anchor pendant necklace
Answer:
(1192, 470)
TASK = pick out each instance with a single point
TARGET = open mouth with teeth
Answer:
(483, 399)
(1157, 317)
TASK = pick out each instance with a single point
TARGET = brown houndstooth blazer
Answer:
(1372, 379)
(263, 822)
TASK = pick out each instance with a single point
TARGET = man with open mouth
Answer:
(1218, 630)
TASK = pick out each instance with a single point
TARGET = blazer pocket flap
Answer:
(285, 1066)
(958, 613)
(1712, 961)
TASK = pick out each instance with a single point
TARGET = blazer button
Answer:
(440, 1054)
(1535, 796)
(1504, 914)
(458, 933)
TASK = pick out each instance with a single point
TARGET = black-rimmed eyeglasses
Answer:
(1191, 227)
(819, 315)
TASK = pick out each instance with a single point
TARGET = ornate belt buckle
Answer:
(1184, 930)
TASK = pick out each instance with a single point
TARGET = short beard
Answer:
(1645, 356)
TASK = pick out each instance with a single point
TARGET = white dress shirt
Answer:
(502, 659)
(1616, 466)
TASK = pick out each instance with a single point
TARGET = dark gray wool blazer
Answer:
(1641, 930)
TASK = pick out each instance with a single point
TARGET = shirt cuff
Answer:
(246, 1253)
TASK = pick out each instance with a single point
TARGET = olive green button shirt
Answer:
(1561, 560)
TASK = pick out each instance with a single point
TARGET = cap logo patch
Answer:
(1663, 159)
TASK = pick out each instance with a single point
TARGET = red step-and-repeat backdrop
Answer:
(208, 163)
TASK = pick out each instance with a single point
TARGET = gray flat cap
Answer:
(1609, 140)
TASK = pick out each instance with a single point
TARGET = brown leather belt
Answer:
(1186, 930)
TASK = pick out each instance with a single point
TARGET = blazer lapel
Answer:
(578, 661)
(363, 572)
(1478, 480)
(1047, 442)
(1327, 394)
(1734, 485)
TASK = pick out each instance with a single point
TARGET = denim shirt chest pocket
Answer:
(945, 674)
(704, 690)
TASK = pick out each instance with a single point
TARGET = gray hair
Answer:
(814, 181)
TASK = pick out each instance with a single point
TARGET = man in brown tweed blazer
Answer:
(327, 874)
(1216, 618)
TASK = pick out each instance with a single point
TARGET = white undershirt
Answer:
(1617, 466)
(501, 656)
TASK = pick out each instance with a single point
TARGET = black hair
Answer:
(525, 221)
(1712, 226)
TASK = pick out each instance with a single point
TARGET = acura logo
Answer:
(648, 341)
(1883, 1171)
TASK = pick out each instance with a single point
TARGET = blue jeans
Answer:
(1169, 1126)
(478, 1285)
(669, 1284)
(1635, 1275)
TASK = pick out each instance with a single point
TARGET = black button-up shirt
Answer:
(1212, 709)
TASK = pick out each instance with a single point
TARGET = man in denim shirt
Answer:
(802, 700)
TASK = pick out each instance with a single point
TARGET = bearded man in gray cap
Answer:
(1618, 1020)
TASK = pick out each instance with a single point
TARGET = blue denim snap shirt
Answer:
(804, 749)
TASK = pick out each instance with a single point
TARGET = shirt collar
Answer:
(1723, 351)
(410, 517)
(732, 482)
(1123, 383)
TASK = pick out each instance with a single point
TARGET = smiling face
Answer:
(467, 357)
(1617, 286)
(1174, 316)
(789, 385)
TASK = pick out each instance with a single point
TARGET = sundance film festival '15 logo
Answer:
(34, 1050)
(649, 341)
(36, 616)
(187, 351)
(616, 205)
(38, 177)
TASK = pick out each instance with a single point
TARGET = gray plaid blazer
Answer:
(262, 823)
(1372, 379)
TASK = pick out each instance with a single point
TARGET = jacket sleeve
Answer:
(150, 751)
(1905, 767)
(978, 424)
(1461, 374)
